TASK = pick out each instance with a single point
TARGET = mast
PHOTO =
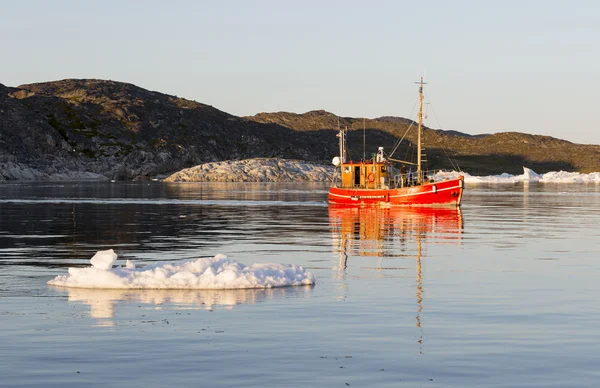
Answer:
(420, 116)
(342, 135)
(341, 145)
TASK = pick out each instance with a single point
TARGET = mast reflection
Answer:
(393, 232)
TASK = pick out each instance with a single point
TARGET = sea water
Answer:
(502, 293)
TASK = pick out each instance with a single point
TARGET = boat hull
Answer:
(447, 193)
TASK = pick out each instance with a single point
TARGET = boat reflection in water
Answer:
(102, 302)
(392, 233)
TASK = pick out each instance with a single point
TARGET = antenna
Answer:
(345, 145)
(364, 142)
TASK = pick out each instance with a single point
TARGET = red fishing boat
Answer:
(378, 182)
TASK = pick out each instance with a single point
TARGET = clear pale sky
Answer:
(491, 66)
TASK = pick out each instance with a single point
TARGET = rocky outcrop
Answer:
(10, 170)
(255, 170)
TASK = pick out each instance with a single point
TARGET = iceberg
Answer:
(528, 176)
(209, 273)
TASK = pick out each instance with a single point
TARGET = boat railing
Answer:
(397, 181)
(410, 179)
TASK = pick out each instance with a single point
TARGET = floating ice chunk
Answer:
(530, 176)
(129, 264)
(104, 259)
(570, 177)
(502, 178)
(99, 278)
(218, 272)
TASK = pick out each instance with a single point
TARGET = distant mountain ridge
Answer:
(476, 154)
(402, 120)
(97, 129)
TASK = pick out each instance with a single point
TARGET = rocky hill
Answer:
(477, 155)
(95, 129)
(74, 129)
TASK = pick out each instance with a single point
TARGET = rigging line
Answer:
(349, 152)
(397, 144)
(410, 153)
(399, 141)
(452, 160)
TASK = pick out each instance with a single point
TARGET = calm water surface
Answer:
(503, 293)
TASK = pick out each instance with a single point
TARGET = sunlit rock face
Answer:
(255, 170)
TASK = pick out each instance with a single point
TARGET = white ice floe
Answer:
(104, 259)
(217, 272)
(528, 176)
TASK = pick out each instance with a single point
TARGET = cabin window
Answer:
(356, 175)
(346, 169)
(383, 168)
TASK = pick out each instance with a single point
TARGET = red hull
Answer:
(446, 193)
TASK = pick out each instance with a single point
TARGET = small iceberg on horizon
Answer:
(528, 176)
(215, 273)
